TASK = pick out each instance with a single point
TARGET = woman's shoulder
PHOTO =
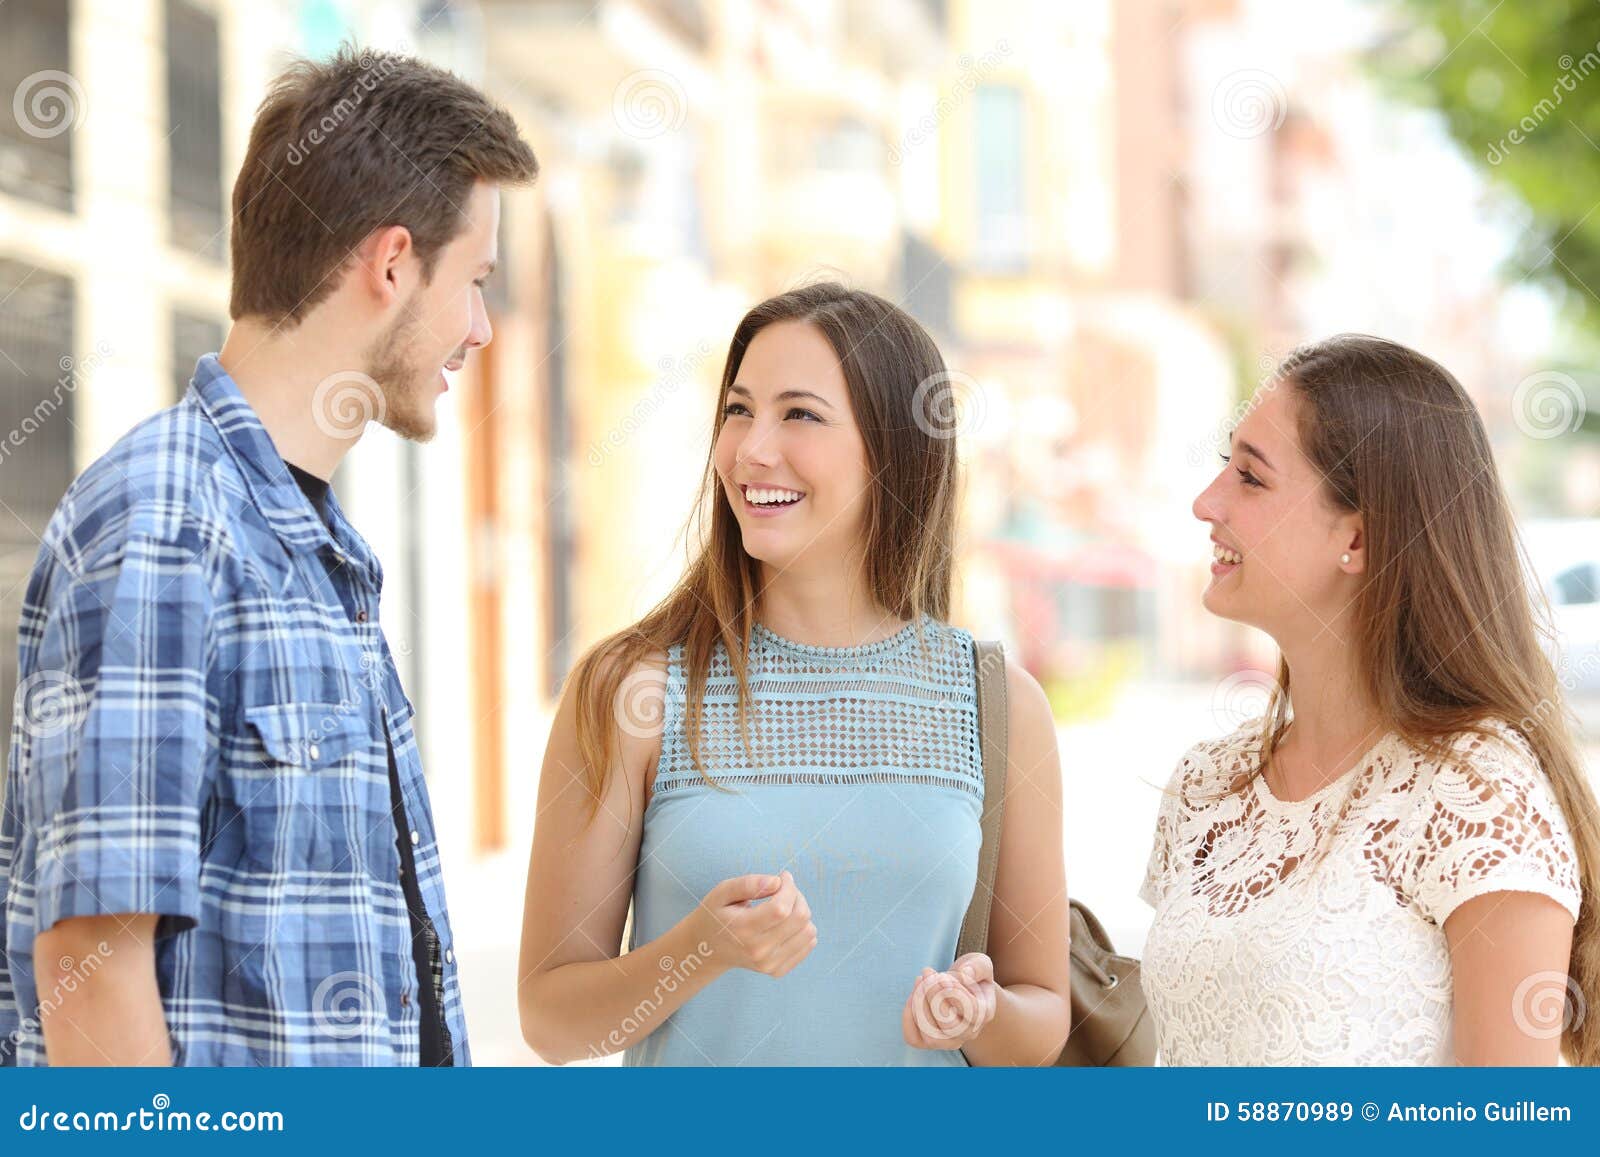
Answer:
(618, 680)
(945, 634)
(1211, 767)
(1489, 749)
(1492, 760)
(1222, 754)
(1487, 819)
(938, 650)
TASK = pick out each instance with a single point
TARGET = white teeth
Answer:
(765, 497)
(1223, 554)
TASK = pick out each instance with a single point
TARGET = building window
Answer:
(45, 101)
(193, 334)
(37, 386)
(1001, 232)
(194, 130)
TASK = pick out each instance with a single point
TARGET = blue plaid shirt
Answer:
(202, 727)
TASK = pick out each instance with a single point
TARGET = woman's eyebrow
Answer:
(785, 396)
(1253, 450)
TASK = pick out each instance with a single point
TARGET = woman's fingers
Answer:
(777, 933)
(783, 894)
(908, 1021)
(780, 905)
(976, 965)
(915, 1014)
(742, 889)
(795, 949)
(976, 971)
(950, 1009)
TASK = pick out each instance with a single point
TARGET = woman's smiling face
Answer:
(789, 453)
(1277, 537)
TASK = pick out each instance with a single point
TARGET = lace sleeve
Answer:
(1487, 822)
(1159, 865)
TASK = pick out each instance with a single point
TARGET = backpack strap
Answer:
(989, 659)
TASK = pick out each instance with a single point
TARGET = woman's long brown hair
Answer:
(902, 401)
(1446, 631)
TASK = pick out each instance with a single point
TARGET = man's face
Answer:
(439, 323)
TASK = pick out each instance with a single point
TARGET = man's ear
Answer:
(384, 261)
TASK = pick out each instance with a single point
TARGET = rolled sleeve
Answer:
(117, 758)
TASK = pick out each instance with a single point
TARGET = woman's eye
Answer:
(797, 412)
(1248, 478)
(732, 409)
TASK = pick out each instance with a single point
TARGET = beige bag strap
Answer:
(989, 658)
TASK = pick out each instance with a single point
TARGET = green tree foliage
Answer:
(1518, 85)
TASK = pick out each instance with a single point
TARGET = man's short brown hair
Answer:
(349, 145)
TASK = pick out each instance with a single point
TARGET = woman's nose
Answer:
(758, 446)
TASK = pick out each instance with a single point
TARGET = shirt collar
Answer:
(272, 488)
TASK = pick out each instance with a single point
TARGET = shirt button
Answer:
(361, 616)
(405, 1000)
(416, 838)
(449, 955)
(314, 752)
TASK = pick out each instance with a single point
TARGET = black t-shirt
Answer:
(435, 1043)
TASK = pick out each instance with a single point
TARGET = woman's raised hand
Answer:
(947, 1009)
(770, 937)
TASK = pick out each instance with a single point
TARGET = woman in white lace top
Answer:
(1397, 864)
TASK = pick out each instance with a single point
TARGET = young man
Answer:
(216, 845)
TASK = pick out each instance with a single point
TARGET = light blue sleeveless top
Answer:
(867, 784)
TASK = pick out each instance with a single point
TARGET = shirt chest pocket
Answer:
(312, 788)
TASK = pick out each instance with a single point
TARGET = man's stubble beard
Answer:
(407, 391)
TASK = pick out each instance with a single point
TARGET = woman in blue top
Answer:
(779, 765)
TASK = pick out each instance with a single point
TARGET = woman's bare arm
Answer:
(577, 997)
(1028, 922)
(1508, 969)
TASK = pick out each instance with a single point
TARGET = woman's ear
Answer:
(1353, 557)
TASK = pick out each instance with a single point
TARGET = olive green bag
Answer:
(1110, 1021)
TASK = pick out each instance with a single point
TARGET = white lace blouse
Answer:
(1311, 933)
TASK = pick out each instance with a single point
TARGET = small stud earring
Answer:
(1345, 558)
